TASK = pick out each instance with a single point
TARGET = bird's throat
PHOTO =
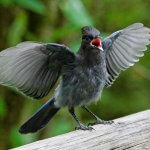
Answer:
(92, 58)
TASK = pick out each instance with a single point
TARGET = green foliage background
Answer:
(60, 21)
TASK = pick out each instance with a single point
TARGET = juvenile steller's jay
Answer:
(34, 68)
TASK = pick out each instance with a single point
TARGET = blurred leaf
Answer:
(61, 124)
(75, 46)
(104, 35)
(3, 109)
(62, 31)
(76, 13)
(17, 29)
(6, 2)
(15, 138)
(36, 6)
(32, 37)
(62, 127)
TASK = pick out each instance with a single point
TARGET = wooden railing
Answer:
(131, 132)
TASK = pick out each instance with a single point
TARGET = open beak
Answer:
(97, 43)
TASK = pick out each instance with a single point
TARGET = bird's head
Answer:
(91, 38)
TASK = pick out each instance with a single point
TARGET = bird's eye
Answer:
(87, 38)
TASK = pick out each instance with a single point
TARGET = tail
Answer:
(40, 118)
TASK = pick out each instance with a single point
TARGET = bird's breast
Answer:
(81, 85)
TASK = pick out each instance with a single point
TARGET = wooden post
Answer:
(131, 132)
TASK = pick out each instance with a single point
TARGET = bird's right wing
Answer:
(123, 48)
(33, 68)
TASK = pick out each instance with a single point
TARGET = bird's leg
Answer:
(80, 126)
(98, 120)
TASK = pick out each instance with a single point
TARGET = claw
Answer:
(99, 121)
(83, 127)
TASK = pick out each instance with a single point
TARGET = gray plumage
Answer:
(123, 48)
(84, 83)
(34, 68)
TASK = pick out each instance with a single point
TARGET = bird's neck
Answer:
(91, 57)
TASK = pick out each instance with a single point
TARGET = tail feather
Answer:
(40, 118)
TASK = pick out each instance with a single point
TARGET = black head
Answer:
(91, 38)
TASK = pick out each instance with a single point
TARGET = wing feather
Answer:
(123, 48)
(33, 68)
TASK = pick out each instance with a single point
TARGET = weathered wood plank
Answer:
(130, 132)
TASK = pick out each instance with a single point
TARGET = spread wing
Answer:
(33, 68)
(123, 48)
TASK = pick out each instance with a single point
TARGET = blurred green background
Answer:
(60, 21)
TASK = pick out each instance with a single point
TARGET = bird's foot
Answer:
(83, 127)
(100, 121)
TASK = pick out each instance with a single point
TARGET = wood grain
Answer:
(131, 132)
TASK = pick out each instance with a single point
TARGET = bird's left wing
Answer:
(33, 68)
(123, 48)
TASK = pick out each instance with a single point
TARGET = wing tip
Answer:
(135, 26)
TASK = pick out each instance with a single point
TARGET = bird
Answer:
(34, 68)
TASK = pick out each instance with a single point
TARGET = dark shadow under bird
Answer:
(34, 68)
